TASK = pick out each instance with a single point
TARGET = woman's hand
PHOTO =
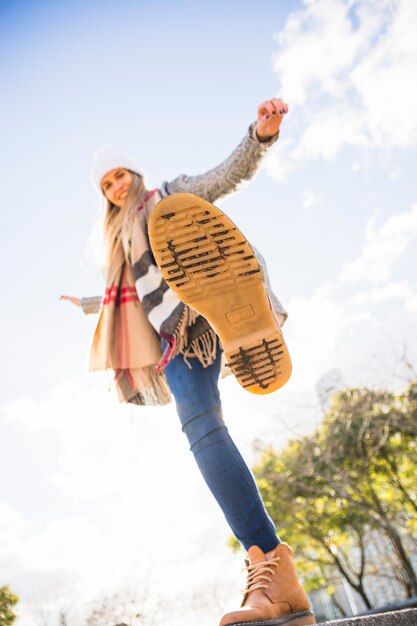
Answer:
(270, 115)
(76, 301)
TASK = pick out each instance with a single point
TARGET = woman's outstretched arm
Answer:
(88, 305)
(242, 164)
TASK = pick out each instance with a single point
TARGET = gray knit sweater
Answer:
(221, 181)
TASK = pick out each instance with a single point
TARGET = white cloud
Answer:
(382, 248)
(278, 166)
(327, 131)
(356, 335)
(309, 199)
(411, 303)
(383, 79)
(131, 501)
(315, 47)
(312, 329)
(399, 290)
(348, 65)
(12, 528)
(342, 324)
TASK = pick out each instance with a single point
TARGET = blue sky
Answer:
(333, 210)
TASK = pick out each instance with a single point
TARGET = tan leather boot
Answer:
(273, 595)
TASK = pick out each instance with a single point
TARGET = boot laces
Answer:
(260, 575)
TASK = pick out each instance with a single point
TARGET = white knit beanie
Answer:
(107, 159)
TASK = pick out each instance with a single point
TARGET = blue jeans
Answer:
(228, 477)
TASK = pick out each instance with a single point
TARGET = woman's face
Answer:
(115, 185)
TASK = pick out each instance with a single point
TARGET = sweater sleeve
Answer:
(91, 305)
(227, 177)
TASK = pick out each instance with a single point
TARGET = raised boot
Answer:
(273, 595)
(209, 264)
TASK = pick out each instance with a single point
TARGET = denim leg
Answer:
(220, 462)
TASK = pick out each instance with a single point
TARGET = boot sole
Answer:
(297, 619)
(208, 263)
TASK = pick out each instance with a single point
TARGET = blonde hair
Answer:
(116, 231)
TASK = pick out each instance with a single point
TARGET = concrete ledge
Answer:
(408, 617)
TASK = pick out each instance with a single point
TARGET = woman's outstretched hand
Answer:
(270, 116)
(76, 301)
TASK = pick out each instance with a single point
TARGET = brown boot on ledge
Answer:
(273, 594)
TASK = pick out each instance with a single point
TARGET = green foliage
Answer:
(356, 474)
(234, 544)
(8, 600)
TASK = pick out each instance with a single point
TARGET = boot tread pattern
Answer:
(200, 254)
(259, 364)
(208, 263)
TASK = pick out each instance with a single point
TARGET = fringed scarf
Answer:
(138, 310)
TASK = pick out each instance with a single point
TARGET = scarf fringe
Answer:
(154, 388)
(179, 337)
(192, 316)
(204, 349)
(180, 333)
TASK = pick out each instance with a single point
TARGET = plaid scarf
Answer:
(137, 310)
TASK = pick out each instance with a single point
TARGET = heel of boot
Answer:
(261, 366)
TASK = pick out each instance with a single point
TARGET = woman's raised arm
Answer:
(242, 164)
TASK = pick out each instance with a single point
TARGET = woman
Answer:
(140, 312)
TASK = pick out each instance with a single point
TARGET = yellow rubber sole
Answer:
(208, 263)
